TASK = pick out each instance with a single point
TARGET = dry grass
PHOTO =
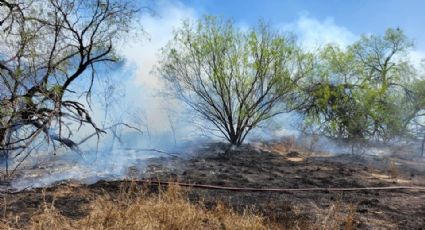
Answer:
(170, 209)
(393, 170)
(133, 209)
(281, 146)
(339, 216)
(309, 142)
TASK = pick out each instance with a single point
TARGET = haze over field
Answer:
(133, 90)
(187, 114)
(313, 26)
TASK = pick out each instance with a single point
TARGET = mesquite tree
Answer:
(233, 79)
(362, 92)
(46, 46)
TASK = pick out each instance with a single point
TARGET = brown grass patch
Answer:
(392, 169)
(134, 209)
(339, 216)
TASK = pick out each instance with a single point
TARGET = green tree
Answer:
(416, 116)
(233, 79)
(358, 92)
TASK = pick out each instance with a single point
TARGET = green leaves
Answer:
(234, 79)
(57, 90)
(357, 92)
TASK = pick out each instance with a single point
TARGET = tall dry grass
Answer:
(132, 209)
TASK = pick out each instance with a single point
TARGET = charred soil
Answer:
(268, 165)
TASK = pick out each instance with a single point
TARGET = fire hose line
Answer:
(247, 189)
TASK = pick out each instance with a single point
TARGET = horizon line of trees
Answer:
(236, 79)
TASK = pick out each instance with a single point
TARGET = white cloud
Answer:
(313, 33)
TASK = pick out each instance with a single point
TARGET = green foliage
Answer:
(234, 79)
(418, 88)
(359, 92)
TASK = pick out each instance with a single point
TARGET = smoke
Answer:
(313, 34)
(134, 95)
(128, 93)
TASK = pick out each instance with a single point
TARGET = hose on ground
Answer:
(248, 189)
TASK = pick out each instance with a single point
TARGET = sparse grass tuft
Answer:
(168, 210)
(349, 220)
(393, 170)
(339, 216)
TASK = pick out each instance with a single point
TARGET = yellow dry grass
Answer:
(133, 209)
(338, 217)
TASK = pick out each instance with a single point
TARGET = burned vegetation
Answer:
(357, 160)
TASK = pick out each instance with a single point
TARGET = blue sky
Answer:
(358, 16)
(315, 23)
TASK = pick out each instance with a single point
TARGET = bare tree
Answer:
(233, 79)
(46, 46)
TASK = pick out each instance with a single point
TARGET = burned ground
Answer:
(265, 166)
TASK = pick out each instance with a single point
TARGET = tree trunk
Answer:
(234, 140)
(5, 139)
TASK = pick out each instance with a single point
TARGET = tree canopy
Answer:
(361, 92)
(233, 79)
